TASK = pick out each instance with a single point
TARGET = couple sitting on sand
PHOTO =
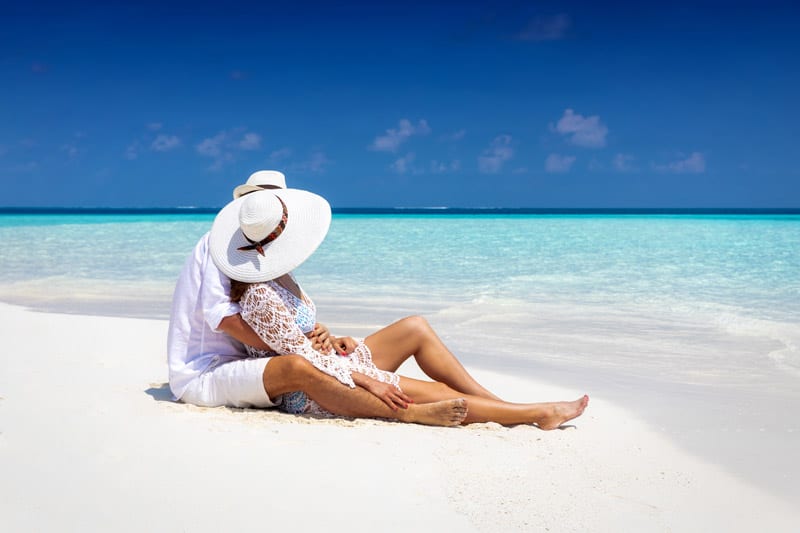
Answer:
(242, 332)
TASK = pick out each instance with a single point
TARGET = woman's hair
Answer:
(237, 289)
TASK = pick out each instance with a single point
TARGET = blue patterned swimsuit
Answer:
(282, 319)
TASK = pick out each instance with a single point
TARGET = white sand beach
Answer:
(90, 440)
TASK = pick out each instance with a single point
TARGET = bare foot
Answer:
(444, 413)
(561, 412)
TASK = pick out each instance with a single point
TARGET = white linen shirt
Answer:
(200, 302)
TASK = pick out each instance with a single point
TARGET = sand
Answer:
(90, 440)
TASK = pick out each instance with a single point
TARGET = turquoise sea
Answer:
(691, 320)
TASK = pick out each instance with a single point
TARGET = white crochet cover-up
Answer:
(281, 319)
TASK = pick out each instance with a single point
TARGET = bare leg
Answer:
(395, 343)
(289, 373)
(548, 415)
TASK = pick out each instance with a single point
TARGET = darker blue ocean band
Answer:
(409, 211)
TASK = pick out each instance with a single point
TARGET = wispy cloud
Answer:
(165, 143)
(150, 139)
(280, 154)
(223, 146)
(493, 158)
(71, 149)
(623, 163)
(212, 146)
(250, 141)
(441, 167)
(695, 163)
(588, 132)
(132, 151)
(317, 163)
(558, 164)
(394, 137)
(23, 168)
(402, 165)
(546, 28)
(455, 136)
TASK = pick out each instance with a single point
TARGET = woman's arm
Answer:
(391, 395)
(264, 310)
(236, 327)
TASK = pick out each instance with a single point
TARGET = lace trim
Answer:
(273, 313)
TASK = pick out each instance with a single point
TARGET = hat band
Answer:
(259, 246)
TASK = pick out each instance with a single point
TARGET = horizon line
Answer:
(427, 210)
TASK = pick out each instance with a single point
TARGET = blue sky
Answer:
(469, 104)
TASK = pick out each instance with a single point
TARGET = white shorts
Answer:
(234, 384)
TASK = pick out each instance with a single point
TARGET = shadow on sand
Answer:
(160, 392)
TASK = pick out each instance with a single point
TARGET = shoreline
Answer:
(90, 414)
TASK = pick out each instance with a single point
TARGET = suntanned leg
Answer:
(395, 343)
(547, 415)
(289, 373)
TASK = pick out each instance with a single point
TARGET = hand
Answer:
(321, 338)
(391, 395)
(344, 345)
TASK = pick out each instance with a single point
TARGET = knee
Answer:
(417, 324)
(289, 372)
(297, 366)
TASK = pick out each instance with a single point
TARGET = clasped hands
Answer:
(322, 341)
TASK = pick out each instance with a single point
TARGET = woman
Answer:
(258, 241)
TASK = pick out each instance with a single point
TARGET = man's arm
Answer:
(236, 327)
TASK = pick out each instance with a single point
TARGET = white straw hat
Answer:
(264, 235)
(262, 179)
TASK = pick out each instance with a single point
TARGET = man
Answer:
(208, 365)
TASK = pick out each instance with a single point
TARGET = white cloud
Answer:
(132, 151)
(493, 158)
(546, 28)
(250, 141)
(71, 148)
(455, 136)
(222, 160)
(212, 146)
(556, 163)
(694, 164)
(318, 162)
(154, 126)
(280, 154)
(623, 163)
(224, 145)
(31, 166)
(441, 167)
(583, 131)
(395, 137)
(165, 143)
(403, 164)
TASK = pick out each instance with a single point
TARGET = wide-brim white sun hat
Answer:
(262, 179)
(266, 234)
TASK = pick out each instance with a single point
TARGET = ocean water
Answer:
(693, 321)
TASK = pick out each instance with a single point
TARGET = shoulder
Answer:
(259, 291)
(201, 248)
